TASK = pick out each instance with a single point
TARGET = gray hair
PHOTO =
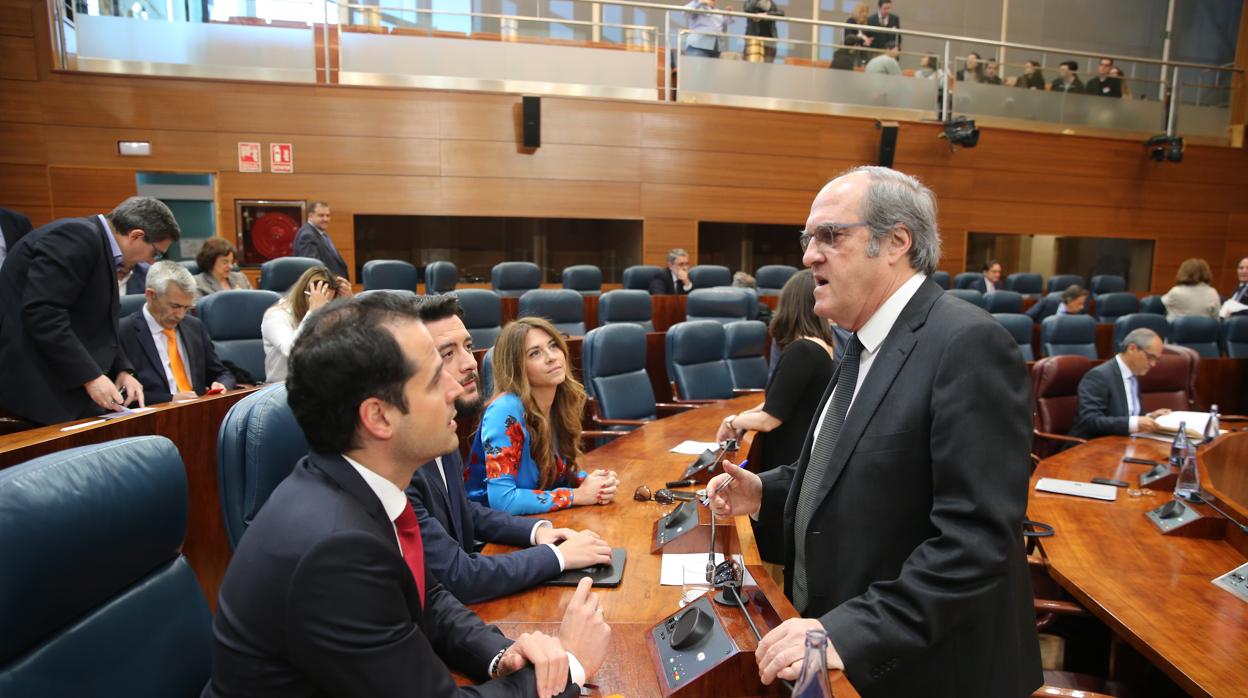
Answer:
(675, 254)
(893, 198)
(150, 215)
(161, 274)
(1140, 337)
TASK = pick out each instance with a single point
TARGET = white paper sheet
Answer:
(126, 412)
(695, 448)
(672, 572)
(1230, 307)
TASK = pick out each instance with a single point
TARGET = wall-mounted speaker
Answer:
(888, 142)
(531, 118)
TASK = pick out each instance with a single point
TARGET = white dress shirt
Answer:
(989, 286)
(4, 248)
(162, 348)
(677, 284)
(278, 331)
(1132, 408)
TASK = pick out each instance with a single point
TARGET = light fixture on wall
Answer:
(961, 131)
(134, 148)
(1165, 147)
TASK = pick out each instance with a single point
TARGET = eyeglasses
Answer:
(1152, 358)
(156, 252)
(828, 234)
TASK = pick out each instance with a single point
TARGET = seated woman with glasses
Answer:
(525, 453)
(281, 323)
(216, 268)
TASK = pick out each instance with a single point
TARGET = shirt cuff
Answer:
(558, 556)
(577, 671)
(533, 532)
(1133, 425)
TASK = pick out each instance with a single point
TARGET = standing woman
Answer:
(216, 268)
(524, 456)
(793, 392)
(281, 323)
(1192, 293)
(862, 12)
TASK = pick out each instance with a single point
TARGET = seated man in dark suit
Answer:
(1071, 303)
(450, 524)
(171, 351)
(328, 593)
(1109, 395)
(132, 281)
(991, 278)
(312, 240)
(674, 281)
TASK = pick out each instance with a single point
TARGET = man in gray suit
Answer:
(313, 241)
(903, 515)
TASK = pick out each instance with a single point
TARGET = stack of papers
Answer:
(1169, 423)
(672, 573)
(695, 448)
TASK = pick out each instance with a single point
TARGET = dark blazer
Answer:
(318, 601)
(880, 38)
(310, 242)
(58, 320)
(202, 365)
(982, 286)
(14, 226)
(918, 573)
(450, 525)
(1103, 409)
(662, 285)
(1043, 308)
(137, 283)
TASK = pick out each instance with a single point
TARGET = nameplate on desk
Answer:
(1108, 493)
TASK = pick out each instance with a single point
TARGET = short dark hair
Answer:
(1074, 67)
(988, 264)
(885, 2)
(438, 307)
(213, 249)
(315, 205)
(891, 43)
(344, 355)
(1072, 292)
(1104, 58)
(150, 215)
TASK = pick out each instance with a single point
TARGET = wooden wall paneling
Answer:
(23, 144)
(38, 215)
(132, 103)
(172, 151)
(374, 194)
(19, 58)
(334, 155)
(726, 203)
(669, 166)
(21, 101)
(480, 118)
(332, 111)
(662, 234)
(537, 198)
(585, 122)
(24, 185)
(16, 18)
(461, 158)
(731, 130)
(89, 188)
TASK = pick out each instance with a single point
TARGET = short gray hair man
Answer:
(161, 274)
(145, 213)
(1141, 337)
(893, 197)
(675, 254)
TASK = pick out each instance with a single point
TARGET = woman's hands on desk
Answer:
(597, 488)
(735, 492)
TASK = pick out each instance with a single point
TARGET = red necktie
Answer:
(413, 550)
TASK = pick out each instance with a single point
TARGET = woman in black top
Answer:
(1032, 77)
(792, 396)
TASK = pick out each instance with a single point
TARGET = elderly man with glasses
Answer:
(1109, 395)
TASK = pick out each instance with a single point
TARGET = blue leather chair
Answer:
(1196, 332)
(232, 319)
(257, 447)
(440, 277)
(1019, 326)
(191, 265)
(1111, 306)
(96, 597)
(1106, 283)
(1235, 336)
(487, 373)
(1125, 324)
(1026, 283)
(744, 347)
(695, 359)
(585, 279)
(638, 277)
(130, 304)
(1068, 334)
(512, 279)
(1152, 304)
(564, 308)
(724, 305)
(772, 277)
(390, 274)
(942, 279)
(1003, 302)
(282, 273)
(614, 361)
(626, 305)
(483, 315)
(1060, 282)
(710, 276)
(966, 278)
(969, 295)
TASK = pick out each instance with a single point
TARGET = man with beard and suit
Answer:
(450, 524)
(675, 279)
(903, 515)
(170, 349)
(313, 240)
(13, 227)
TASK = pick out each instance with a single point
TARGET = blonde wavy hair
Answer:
(567, 409)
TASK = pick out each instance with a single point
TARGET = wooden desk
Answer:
(641, 457)
(1154, 591)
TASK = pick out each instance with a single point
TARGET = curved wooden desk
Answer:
(640, 458)
(1154, 591)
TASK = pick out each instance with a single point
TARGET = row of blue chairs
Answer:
(1076, 334)
(1031, 284)
(1108, 306)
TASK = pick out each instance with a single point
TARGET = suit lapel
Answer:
(1115, 385)
(442, 484)
(114, 296)
(144, 336)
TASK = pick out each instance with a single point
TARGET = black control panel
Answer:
(682, 519)
(691, 642)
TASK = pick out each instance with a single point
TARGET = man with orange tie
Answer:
(327, 593)
(171, 351)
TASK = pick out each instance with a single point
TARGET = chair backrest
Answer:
(257, 447)
(483, 315)
(130, 304)
(638, 277)
(282, 273)
(512, 279)
(1152, 304)
(1055, 385)
(1235, 336)
(1106, 283)
(403, 294)
(626, 305)
(966, 278)
(695, 353)
(1111, 306)
(1171, 382)
(1026, 283)
(564, 308)
(772, 277)
(1003, 302)
(190, 265)
(969, 295)
(232, 319)
(1068, 334)
(710, 276)
(1060, 282)
(725, 304)
(614, 361)
(440, 277)
(1020, 327)
(1131, 321)
(390, 274)
(744, 348)
(96, 597)
(942, 279)
(585, 279)
(1196, 332)
(487, 373)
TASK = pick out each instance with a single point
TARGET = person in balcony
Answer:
(973, 70)
(1032, 77)
(765, 29)
(886, 19)
(1067, 79)
(704, 30)
(886, 63)
(859, 37)
(991, 76)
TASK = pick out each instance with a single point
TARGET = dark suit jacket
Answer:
(982, 286)
(309, 242)
(1043, 308)
(58, 320)
(880, 38)
(662, 285)
(318, 601)
(137, 283)
(918, 571)
(1103, 405)
(450, 529)
(14, 226)
(202, 366)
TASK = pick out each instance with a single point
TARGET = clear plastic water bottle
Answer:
(813, 681)
(1179, 447)
(1212, 426)
(1188, 485)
